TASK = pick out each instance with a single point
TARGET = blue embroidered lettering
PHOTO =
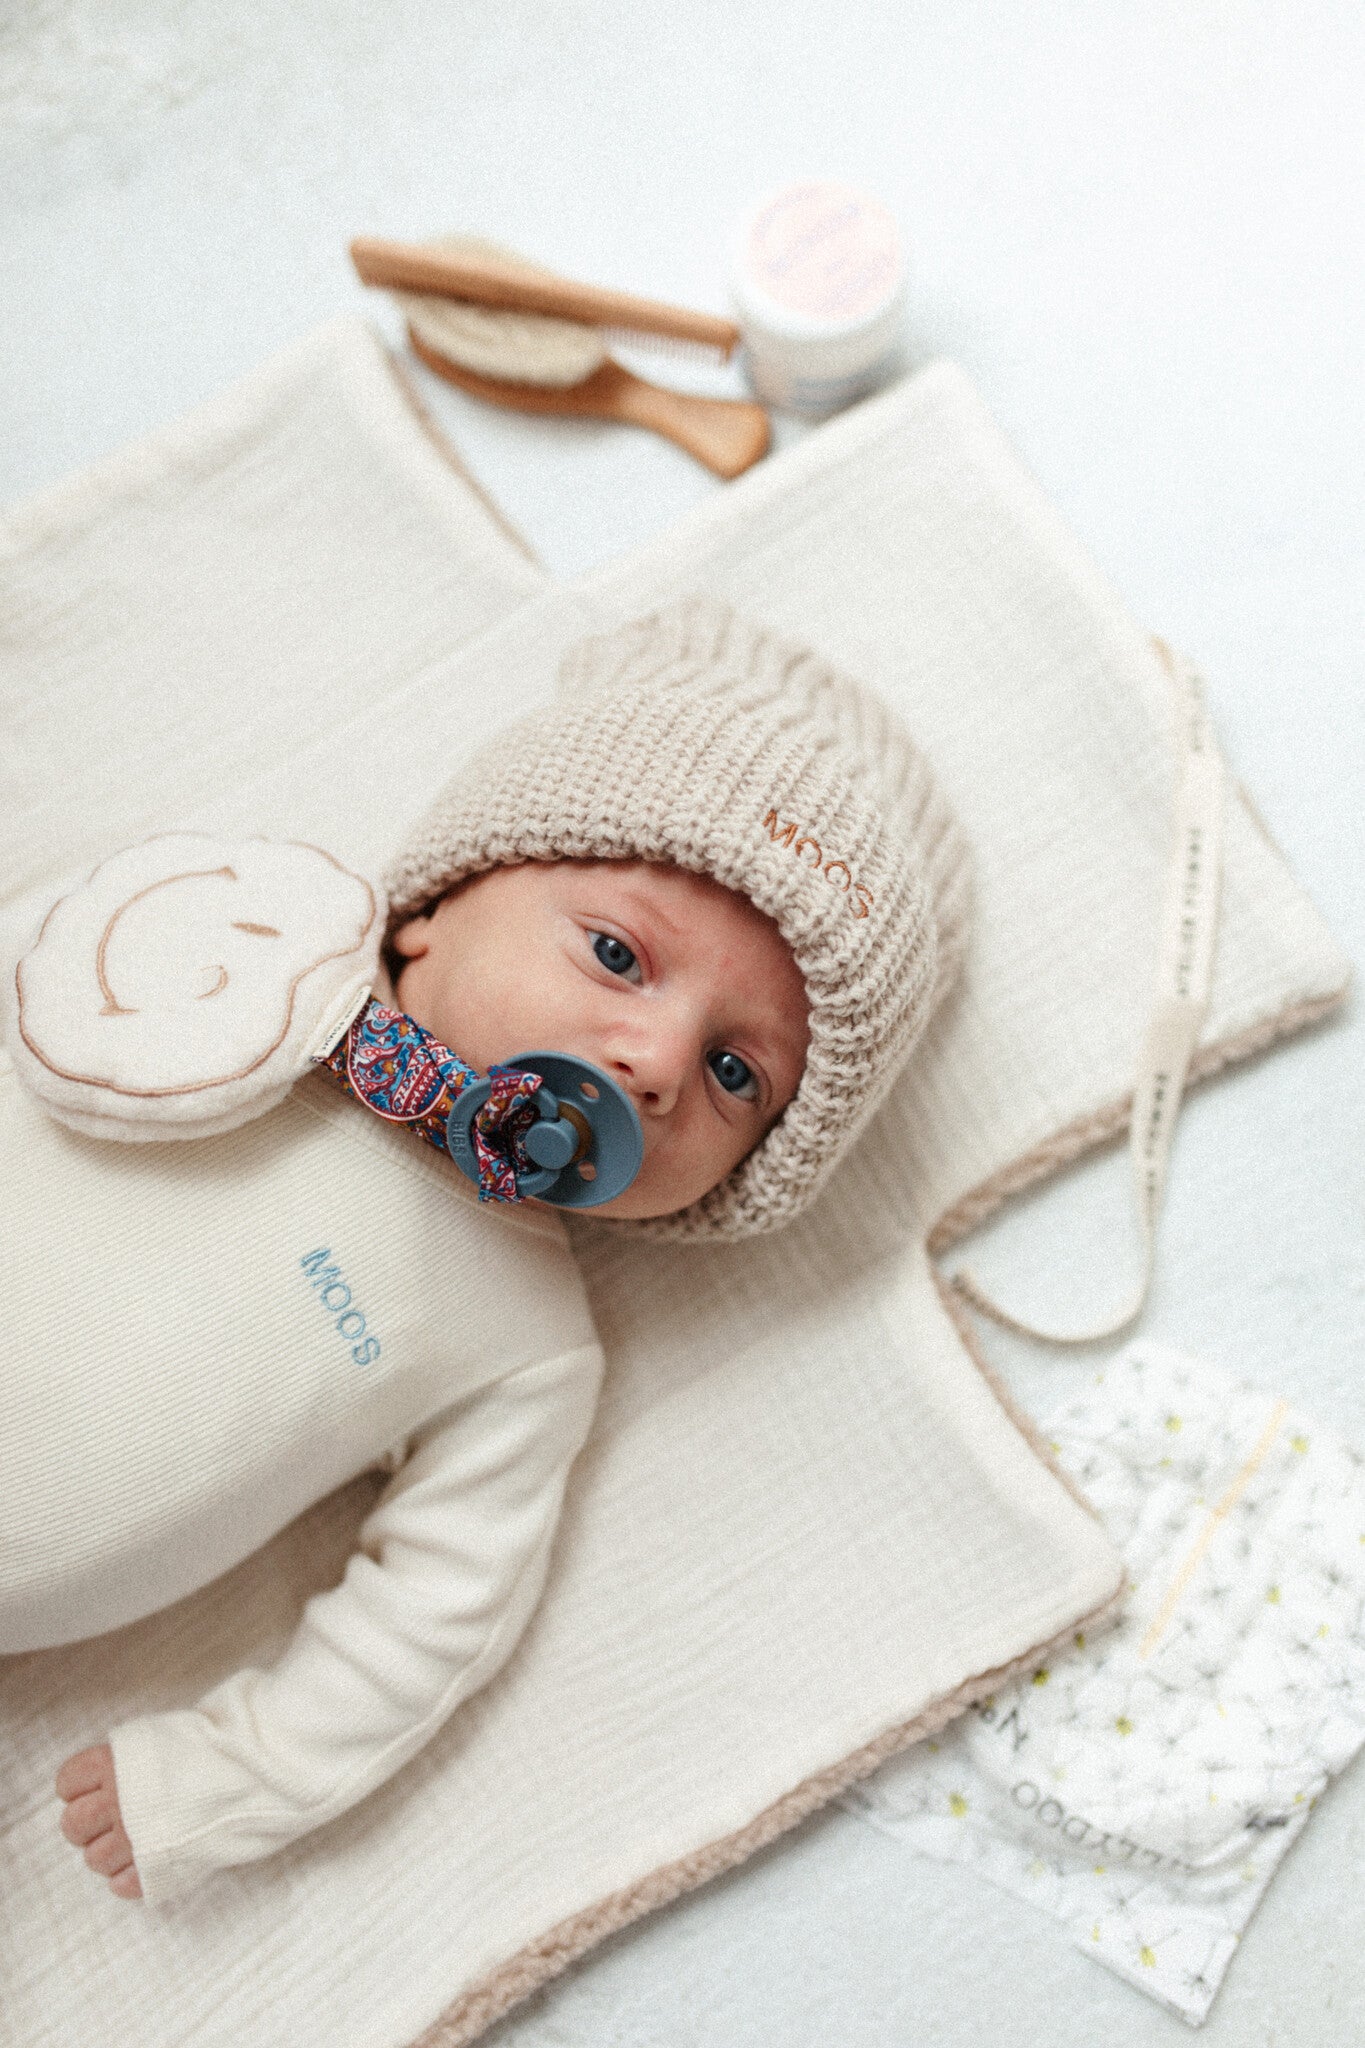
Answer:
(334, 1295)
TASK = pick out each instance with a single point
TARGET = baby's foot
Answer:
(92, 1820)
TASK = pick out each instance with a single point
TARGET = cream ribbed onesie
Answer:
(205, 1337)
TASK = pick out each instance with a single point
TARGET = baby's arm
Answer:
(448, 1569)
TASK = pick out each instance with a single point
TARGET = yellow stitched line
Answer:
(1229, 1500)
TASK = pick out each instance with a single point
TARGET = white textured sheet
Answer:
(1131, 224)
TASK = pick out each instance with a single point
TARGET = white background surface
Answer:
(1139, 227)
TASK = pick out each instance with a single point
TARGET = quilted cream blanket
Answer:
(806, 1528)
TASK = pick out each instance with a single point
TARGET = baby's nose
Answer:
(652, 1065)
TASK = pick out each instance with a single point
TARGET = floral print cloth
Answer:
(1144, 1786)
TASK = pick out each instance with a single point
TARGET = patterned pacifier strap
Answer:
(395, 1067)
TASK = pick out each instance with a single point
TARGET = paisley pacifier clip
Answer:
(546, 1124)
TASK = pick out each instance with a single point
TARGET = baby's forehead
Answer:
(687, 903)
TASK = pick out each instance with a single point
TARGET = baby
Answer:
(716, 870)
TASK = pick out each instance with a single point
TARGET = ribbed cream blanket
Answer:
(805, 1528)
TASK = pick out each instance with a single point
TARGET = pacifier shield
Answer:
(586, 1143)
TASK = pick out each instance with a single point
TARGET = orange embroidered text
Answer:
(807, 848)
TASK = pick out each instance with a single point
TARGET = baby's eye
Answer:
(615, 955)
(735, 1075)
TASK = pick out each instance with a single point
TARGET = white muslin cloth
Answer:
(1144, 1787)
(804, 1528)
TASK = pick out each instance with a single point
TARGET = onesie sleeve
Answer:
(448, 1567)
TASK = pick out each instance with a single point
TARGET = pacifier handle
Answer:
(586, 1143)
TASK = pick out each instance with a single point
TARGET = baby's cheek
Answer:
(708, 1152)
(427, 996)
(519, 1006)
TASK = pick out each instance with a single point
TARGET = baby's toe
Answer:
(85, 1818)
(84, 1772)
(108, 1854)
(126, 1884)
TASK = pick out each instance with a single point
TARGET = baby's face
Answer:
(679, 989)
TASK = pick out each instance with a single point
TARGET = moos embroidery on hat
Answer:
(696, 738)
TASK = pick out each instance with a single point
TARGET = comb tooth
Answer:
(666, 345)
(497, 278)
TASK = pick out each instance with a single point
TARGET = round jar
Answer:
(817, 281)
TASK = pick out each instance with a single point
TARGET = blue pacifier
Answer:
(587, 1143)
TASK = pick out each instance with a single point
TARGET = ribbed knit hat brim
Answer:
(693, 737)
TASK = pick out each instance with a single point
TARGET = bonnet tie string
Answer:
(1180, 1000)
(395, 1067)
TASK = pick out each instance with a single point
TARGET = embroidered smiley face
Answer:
(183, 964)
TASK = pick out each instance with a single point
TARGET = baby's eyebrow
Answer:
(645, 907)
(779, 1024)
(780, 1039)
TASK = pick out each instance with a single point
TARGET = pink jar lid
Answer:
(822, 251)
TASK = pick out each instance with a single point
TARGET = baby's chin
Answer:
(642, 1205)
(626, 1208)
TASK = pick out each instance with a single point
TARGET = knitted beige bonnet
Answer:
(693, 737)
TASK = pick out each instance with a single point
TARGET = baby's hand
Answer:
(92, 1820)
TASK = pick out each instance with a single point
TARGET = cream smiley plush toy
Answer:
(185, 985)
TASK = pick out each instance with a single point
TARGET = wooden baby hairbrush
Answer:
(505, 330)
(485, 275)
(728, 435)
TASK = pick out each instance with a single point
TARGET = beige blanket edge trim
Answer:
(404, 377)
(545, 1958)
(1101, 1126)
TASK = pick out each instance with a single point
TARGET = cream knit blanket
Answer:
(805, 1528)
